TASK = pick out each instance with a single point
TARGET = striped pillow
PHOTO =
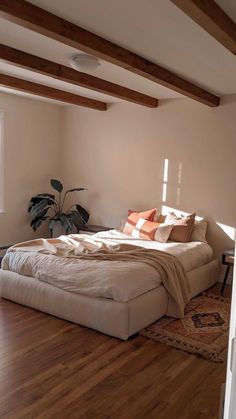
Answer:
(134, 216)
(150, 230)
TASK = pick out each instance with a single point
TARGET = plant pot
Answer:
(58, 230)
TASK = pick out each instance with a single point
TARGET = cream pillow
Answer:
(199, 232)
(171, 218)
(163, 232)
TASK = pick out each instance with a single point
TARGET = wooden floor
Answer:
(50, 368)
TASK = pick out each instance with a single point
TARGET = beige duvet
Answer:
(96, 267)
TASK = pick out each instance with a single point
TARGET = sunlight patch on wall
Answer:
(179, 180)
(165, 180)
(172, 186)
(165, 175)
(164, 192)
(230, 231)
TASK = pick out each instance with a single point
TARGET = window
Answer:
(1, 162)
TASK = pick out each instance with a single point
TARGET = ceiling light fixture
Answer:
(84, 62)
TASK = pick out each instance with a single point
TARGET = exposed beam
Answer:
(211, 18)
(49, 92)
(48, 24)
(66, 74)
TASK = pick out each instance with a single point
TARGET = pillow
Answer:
(199, 232)
(160, 218)
(134, 216)
(182, 227)
(150, 230)
(171, 218)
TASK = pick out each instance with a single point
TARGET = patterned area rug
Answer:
(203, 331)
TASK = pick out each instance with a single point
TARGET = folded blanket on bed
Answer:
(78, 263)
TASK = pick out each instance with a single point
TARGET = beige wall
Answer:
(118, 155)
(32, 146)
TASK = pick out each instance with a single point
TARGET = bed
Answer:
(121, 317)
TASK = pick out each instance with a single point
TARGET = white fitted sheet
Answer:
(192, 255)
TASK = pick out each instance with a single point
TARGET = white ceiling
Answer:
(154, 29)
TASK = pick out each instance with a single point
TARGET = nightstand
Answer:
(92, 229)
(228, 260)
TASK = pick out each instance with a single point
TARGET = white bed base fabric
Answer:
(107, 316)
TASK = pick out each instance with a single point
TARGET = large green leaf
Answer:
(66, 222)
(41, 215)
(34, 201)
(40, 198)
(56, 184)
(76, 189)
(77, 219)
(37, 209)
(46, 195)
(36, 224)
(83, 213)
(37, 221)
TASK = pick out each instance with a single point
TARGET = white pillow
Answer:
(199, 232)
(171, 218)
(163, 232)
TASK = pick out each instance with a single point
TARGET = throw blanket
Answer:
(49, 260)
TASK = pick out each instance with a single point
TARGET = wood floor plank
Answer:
(50, 368)
(81, 384)
(104, 395)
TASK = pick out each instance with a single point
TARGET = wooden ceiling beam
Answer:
(66, 74)
(49, 92)
(212, 18)
(54, 27)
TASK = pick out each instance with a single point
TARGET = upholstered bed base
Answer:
(107, 316)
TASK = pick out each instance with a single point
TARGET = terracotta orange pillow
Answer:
(182, 228)
(134, 217)
(150, 230)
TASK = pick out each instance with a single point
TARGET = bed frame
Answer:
(107, 316)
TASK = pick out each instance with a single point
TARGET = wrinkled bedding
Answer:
(100, 267)
(192, 255)
(111, 265)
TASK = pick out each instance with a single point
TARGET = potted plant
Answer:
(44, 204)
